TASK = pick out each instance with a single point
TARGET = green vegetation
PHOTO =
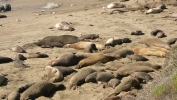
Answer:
(159, 89)
(174, 78)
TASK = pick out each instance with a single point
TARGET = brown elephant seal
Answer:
(52, 74)
(137, 32)
(127, 70)
(43, 88)
(121, 53)
(83, 44)
(63, 26)
(19, 64)
(2, 78)
(115, 5)
(136, 57)
(84, 54)
(172, 41)
(3, 16)
(65, 70)
(90, 48)
(155, 42)
(67, 59)
(141, 76)
(20, 57)
(36, 55)
(89, 36)
(79, 77)
(154, 66)
(104, 77)
(158, 33)
(113, 83)
(5, 59)
(91, 77)
(150, 51)
(126, 84)
(94, 59)
(57, 41)
(18, 49)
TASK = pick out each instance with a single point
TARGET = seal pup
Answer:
(158, 33)
(142, 76)
(36, 55)
(155, 42)
(137, 32)
(20, 57)
(62, 25)
(89, 36)
(113, 41)
(5, 59)
(18, 49)
(121, 53)
(154, 11)
(115, 5)
(42, 88)
(2, 78)
(94, 59)
(52, 74)
(104, 77)
(65, 70)
(3, 16)
(79, 77)
(91, 77)
(172, 41)
(113, 83)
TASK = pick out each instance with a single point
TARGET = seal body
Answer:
(121, 53)
(18, 49)
(2, 78)
(113, 82)
(63, 26)
(141, 76)
(104, 77)
(158, 33)
(115, 5)
(136, 57)
(79, 77)
(65, 70)
(5, 59)
(113, 41)
(154, 10)
(91, 77)
(36, 55)
(89, 36)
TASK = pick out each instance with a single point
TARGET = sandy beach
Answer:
(28, 22)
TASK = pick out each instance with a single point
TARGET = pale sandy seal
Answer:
(136, 57)
(36, 55)
(104, 77)
(141, 76)
(79, 77)
(65, 70)
(82, 44)
(137, 32)
(67, 59)
(172, 41)
(155, 5)
(18, 49)
(20, 57)
(94, 59)
(126, 84)
(19, 64)
(63, 26)
(154, 11)
(2, 78)
(115, 5)
(158, 33)
(121, 53)
(5, 59)
(127, 70)
(89, 36)
(150, 51)
(57, 41)
(113, 82)
(155, 42)
(43, 88)
(52, 74)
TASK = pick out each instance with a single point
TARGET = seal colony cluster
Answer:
(124, 78)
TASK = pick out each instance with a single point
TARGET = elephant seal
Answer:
(43, 88)
(136, 57)
(158, 33)
(52, 74)
(127, 70)
(155, 42)
(63, 26)
(172, 15)
(20, 57)
(19, 64)
(141, 76)
(104, 77)
(90, 48)
(2, 78)
(79, 77)
(154, 10)
(3, 16)
(83, 54)
(57, 41)
(121, 53)
(113, 83)
(18, 49)
(155, 5)
(43, 98)
(89, 36)
(150, 52)
(91, 77)
(65, 70)
(172, 41)
(67, 59)
(94, 59)
(113, 41)
(115, 5)
(126, 84)
(36, 55)
(137, 32)
(154, 66)
(14, 95)
(5, 59)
